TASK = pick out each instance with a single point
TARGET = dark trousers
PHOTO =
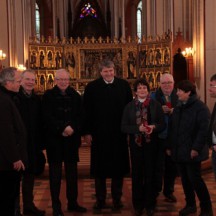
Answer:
(116, 189)
(165, 171)
(55, 176)
(143, 165)
(27, 180)
(170, 173)
(27, 190)
(192, 183)
(8, 192)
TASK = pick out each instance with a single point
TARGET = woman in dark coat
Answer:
(62, 117)
(189, 125)
(142, 119)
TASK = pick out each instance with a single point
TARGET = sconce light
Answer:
(21, 67)
(2, 55)
(188, 52)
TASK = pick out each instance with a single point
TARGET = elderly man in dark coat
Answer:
(104, 101)
(62, 117)
(30, 110)
(166, 171)
(13, 155)
(189, 127)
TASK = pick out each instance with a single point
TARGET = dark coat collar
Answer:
(8, 92)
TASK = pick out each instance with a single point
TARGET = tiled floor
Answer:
(86, 194)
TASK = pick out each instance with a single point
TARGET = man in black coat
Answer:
(189, 127)
(30, 110)
(13, 155)
(212, 126)
(104, 101)
(62, 118)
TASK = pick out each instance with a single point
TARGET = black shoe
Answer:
(76, 208)
(187, 210)
(34, 211)
(99, 205)
(117, 205)
(150, 212)
(170, 198)
(58, 213)
(206, 212)
(18, 213)
(138, 212)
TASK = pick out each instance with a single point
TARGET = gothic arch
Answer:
(89, 26)
(46, 17)
(130, 21)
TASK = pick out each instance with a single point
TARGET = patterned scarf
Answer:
(141, 118)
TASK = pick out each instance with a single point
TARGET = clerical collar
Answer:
(109, 82)
(141, 100)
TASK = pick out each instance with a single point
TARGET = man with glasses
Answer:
(13, 155)
(166, 169)
(212, 127)
(62, 118)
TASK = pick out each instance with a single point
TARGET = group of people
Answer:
(165, 132)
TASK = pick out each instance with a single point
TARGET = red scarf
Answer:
(142, 118)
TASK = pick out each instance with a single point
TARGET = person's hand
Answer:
(146, 129)
(194, 154)
(149, 128)
(88, 139)
(68, 131)
(18, 165)
(168, 152)
(166, 109)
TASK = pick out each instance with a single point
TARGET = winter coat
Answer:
(31, 113)
(155, 116)
(189, 127)
(104, 104)
(60, 111)
(12, 132)
(159, 96)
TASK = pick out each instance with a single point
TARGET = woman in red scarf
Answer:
(142, 120)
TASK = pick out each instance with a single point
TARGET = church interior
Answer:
(141, 37)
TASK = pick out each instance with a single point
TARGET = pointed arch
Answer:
(91, 23)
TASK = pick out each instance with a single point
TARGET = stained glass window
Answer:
(37, 21)
(88, 10)
(139, 20)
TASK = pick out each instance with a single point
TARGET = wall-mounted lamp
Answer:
(2, 55)
(188, 52)
(21, 67)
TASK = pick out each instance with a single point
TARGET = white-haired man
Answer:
(166, 168)
(62, 117)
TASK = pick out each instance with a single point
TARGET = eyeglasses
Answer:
(63, 80)
(167, 83)
(28, 79)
